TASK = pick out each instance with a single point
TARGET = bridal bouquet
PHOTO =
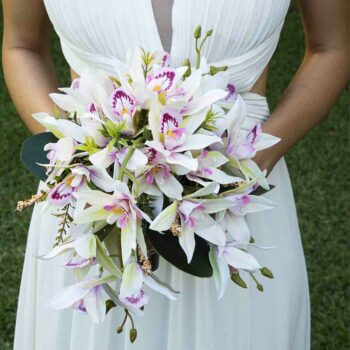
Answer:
(148, 161)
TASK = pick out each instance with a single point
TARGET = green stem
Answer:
(131, 319)
(133, 178)
(198, 57)
(125, 162)
(125, 318)
(119, 245)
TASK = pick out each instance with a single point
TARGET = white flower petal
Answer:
(151, 283)
(183, 160)
(95, 304)
(132, 280)
(239, 259)
(221, 272)
(198, 142)
(205, 191)
(85, 246)
(165, 219)
(171, 187)
(128, 238)
(207, 228)
(67, 297)
(187, 241)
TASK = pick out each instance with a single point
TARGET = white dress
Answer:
(246, 33)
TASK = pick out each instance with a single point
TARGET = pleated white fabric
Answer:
(94, 34)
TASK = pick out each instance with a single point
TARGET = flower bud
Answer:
(133, 334)
(215, 70)
(260, 287)
(209, 32)
(119, 329)
(235, 277)
(266, 272)
(188, 64)
(197, 32)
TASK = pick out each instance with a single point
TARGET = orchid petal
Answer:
(207, 228)
(132, 280)
(221, 272)
(183, 160)
(207, 99)
(95, 304)
(198, 142)
(187, 241)
(151, 283)
(165, 219)
(239, 259)
(205, 191)
(128, 238)
(91, 214)
(171, 187)
(85, 246)
(67, 297)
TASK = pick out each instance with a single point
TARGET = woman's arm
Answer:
(320, 79)
(28, 68)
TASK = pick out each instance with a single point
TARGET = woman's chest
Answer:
(113, 26)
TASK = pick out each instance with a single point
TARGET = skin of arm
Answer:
(28, 68)
(323, 74)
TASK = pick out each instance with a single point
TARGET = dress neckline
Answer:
(155, 25)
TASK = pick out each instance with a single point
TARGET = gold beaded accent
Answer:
(36, 198)
(235, 185)
(175, 228)
(146, 264)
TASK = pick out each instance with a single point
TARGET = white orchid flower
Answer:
(155, 178)
(222, 258)
(77, 181)
(82, 249)
(86, 296)
(173, 137)
(120, 208)
(208, 164)
(195, 218)
(242, 145)
(85, 93)
(131, 289)
(108, 156)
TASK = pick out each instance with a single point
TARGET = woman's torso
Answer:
(245, 36)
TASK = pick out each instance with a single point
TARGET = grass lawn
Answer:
(319, 167)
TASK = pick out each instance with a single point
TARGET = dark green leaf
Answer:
(32, 152)
(169, 248)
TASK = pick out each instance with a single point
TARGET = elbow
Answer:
(339, 58)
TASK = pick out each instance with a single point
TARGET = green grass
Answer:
(319, 167)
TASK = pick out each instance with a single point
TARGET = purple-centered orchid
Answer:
(82, 251)
(223, 259)
(174, 137)
(123, 109)
(77, 181)
(208, 164)
(131, 290)
(232, 220)
(120, 208)
(86, 296)
(243, 145)
(155, 178)
(194, 215)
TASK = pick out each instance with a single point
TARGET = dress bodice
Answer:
(246, 32)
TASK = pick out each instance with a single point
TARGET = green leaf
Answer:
(259, 191)
(167, 245)
(106, 262)
(32, 152)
